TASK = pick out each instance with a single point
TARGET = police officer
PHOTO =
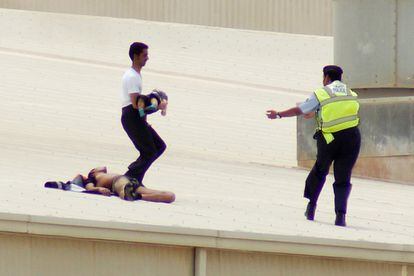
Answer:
(335, 108)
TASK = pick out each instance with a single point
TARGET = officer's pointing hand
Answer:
(271, 114)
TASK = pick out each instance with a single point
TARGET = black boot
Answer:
(340, 219)
(310, 211)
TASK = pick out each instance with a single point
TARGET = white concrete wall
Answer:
(373, 42)
(297, 16)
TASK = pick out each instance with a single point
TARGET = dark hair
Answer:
(333, 72)
(136, 48)
(161, 94)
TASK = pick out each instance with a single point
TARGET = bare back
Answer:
(105, 179)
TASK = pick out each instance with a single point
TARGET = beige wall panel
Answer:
(291, 16)
(14, 255)
(52, 256)
(227, 263)
(35, 255)
(144, 260)
(410, 270)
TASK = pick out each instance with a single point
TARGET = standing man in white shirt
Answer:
(143, 136)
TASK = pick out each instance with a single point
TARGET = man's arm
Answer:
(133, 86)
(156, 105)
(308, 107)
(159, 101)
(134, 97)
(151, 108)
(294, 111)
(102, 190)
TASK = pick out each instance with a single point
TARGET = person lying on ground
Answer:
(101, 182)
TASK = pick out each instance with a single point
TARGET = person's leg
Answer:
(155, 195)
(347, 155)
(317, 176)
(130, 189)
(159, 143)
(141, 136)
(160, 147)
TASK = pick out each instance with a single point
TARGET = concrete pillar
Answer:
(200, 259)
(373, 44)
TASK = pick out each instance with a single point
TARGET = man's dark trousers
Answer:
(343, 152)
(145, 139)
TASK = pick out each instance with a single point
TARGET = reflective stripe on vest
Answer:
(337, 112)
(340, 121)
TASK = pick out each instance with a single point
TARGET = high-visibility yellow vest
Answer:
(338, 111)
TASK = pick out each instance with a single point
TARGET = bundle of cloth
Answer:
(154, 101)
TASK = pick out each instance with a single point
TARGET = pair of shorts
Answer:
(126, 187)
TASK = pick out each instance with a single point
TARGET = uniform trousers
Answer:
(342, 152)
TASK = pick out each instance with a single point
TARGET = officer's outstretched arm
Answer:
(294, 111)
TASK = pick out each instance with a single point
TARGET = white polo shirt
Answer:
(131, 83)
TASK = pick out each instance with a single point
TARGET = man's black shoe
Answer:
(340, 219)
(310, 211)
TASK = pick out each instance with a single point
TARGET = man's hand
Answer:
(163, 107)
(104, 191)
(272, 114)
